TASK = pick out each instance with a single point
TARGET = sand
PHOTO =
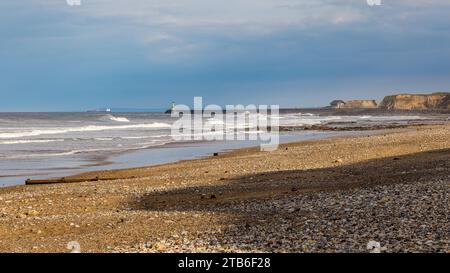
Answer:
(330, 195)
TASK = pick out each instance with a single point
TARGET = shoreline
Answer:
(223, 152)
(79, 162)
(342, 134)
(331, 195)
(113, 161)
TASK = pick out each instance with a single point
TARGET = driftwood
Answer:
(63, 180)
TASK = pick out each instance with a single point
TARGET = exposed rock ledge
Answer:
(439, 100)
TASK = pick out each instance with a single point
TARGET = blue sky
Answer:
(146, 53)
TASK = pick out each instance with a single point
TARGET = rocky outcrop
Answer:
(354, 104)
(417, 101)
(360, 104)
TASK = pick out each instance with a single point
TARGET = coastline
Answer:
(209, 204)
(171, 152)
(73, 153)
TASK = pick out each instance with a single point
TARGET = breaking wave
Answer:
(89, 128)
(29, 141)
(118, 119)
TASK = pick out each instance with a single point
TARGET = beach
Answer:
(44, 145)
(330, 195)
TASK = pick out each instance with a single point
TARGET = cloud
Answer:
(173, 27)
(253, 31)
(176, 27)
(241, 15)
(135, 49)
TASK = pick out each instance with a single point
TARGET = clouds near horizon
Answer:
(137, 53)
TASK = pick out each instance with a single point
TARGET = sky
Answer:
(148, 53)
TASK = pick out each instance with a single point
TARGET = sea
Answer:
(48, 145)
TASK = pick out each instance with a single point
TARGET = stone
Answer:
(32, 213)
(158, 246)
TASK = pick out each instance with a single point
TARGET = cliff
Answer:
(354, 104)
(360, 104)
(417, 101)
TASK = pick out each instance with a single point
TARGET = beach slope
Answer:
(332, 195)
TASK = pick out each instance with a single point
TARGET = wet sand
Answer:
(330, 195)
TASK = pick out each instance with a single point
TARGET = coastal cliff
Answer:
(360, 104)
(354, 104)
(417, 101)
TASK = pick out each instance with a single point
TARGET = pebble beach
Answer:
(331, 195)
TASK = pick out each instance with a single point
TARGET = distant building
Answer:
(337, 104)
(169, 111)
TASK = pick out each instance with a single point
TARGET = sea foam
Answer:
(118, 119)
(30, 141)
(88, 128)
